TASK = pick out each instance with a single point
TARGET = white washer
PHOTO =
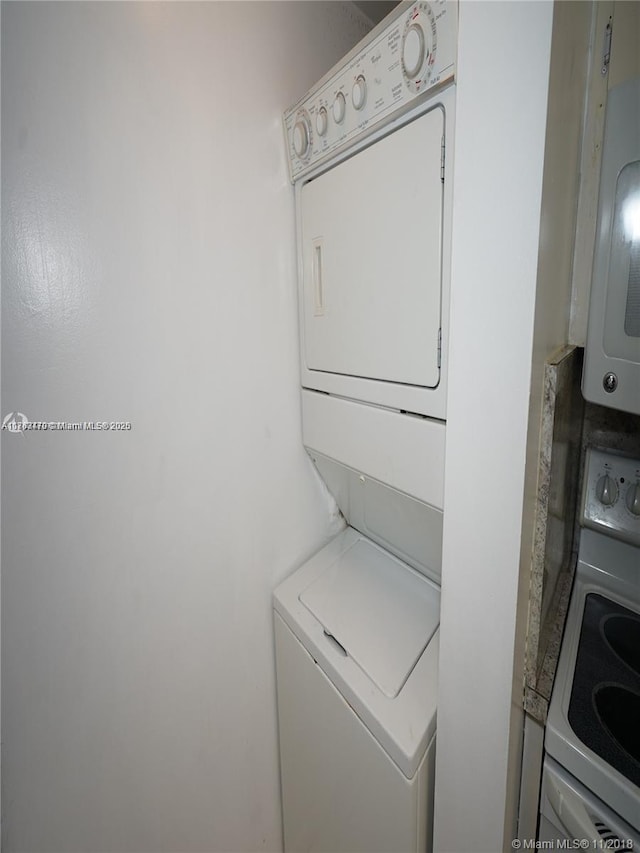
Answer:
(357, 668)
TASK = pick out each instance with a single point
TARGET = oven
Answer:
(591, 775)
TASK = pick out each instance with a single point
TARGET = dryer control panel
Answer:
(407, 57)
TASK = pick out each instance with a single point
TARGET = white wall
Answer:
(148, 271)
(503, 77)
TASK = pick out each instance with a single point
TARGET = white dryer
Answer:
(370, 153)
(356, 626)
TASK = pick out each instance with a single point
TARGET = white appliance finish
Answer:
(363, 599)
(608, 566)
(405, 526)
(612, 353)
(357, 625)
(373, 218)
(366, 275)
(597, 553)
(611, 496)
(401, 451)
(357, 671)
(570, 812)
(411, 53)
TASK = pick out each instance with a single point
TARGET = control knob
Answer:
(302, 136)
(359, 92)
(322, 121)
(607, 490)
(632, 498)
(339, 108)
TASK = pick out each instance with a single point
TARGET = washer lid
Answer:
(379, 610)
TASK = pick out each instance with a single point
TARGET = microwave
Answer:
(611, 375)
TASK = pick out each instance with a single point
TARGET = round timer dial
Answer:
(419, 42)
(301, 135)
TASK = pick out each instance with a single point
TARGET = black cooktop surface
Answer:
(604, 709)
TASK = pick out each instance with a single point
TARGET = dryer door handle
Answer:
(318, 284)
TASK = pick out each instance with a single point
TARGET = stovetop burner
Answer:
(604, 709)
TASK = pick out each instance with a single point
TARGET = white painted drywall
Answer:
(148, 274)
(503, 77)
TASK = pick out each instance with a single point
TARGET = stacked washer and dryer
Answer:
(356, 626)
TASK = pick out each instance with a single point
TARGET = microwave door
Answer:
(622, 312)
(611, 374)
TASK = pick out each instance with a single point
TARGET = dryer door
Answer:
(372, 265)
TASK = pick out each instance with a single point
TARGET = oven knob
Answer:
(301, 137)
(339, 108)
(322, 121)
(632, 499)
(359, 92)
(607, 490)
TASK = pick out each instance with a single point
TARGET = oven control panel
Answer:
(611, 495)
(411, 53)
